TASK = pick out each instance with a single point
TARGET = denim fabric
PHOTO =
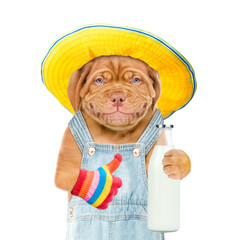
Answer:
(126, 216)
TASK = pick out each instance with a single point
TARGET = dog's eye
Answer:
(136, 80)
(99, 81)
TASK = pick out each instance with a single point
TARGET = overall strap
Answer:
(152, 133)
(79, 130)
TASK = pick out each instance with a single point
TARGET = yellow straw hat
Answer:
(75, 49)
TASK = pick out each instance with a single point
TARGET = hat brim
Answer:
(75, 49)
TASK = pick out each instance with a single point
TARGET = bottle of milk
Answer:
(163, 192)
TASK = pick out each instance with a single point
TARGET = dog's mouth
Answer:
(118, 117)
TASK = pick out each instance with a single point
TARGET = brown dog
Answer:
(117, 96)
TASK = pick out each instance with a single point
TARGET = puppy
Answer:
(117, 97)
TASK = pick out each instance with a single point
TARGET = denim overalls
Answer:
(126, 216)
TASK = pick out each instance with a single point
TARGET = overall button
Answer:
(91, 151)
(136, 152)
(71, 212)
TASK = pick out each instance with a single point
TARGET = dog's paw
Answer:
(176, 164)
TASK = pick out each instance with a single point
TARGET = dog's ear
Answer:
(154, 75)
(76, 83)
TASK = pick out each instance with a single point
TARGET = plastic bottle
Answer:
(163, 192)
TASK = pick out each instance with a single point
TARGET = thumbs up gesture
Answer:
(98, 187)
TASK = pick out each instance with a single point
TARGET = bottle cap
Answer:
(164, 126)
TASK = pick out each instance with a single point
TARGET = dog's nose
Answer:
(118, 98)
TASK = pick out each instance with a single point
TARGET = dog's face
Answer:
(115, 91)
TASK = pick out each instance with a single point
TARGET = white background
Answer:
(209, 129)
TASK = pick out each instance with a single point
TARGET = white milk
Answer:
(163, 195)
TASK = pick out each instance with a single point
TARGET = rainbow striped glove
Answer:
(98, 187)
